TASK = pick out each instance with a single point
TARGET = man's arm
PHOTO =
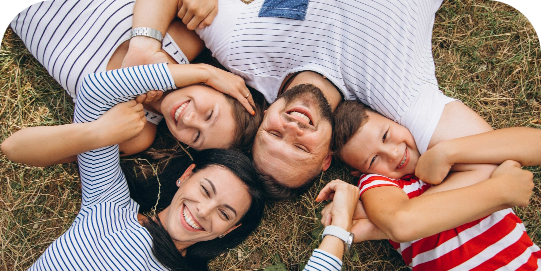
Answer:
(403, 219)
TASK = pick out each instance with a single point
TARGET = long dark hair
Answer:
(198, 255)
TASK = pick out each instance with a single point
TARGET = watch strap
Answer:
(336, 231)
(147, 32)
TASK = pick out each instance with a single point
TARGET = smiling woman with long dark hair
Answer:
(218, 202)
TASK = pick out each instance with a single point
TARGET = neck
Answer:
(331, 93)
(181, 246)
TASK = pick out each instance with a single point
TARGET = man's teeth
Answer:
(179, 110)
(189, 219)
(303, 116)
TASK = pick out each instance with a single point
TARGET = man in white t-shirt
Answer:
(377, 52)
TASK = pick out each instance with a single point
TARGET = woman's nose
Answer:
(190, 119)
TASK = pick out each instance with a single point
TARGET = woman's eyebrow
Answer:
(212, 185)
(230, 208)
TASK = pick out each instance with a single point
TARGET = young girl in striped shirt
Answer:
(449, 226)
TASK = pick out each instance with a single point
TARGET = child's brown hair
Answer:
(349, 116)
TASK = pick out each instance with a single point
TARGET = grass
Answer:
(487, 55)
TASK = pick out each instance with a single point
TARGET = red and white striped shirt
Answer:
(496, 242)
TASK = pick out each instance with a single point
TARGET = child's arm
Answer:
(48, 145)
(520, 144)
(404, 219)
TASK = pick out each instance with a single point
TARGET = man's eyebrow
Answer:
(212, 185)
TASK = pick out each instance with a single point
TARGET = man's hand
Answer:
(122, 122)
(194, 13)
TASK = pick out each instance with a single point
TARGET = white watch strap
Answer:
(147, 32)
(336, 231)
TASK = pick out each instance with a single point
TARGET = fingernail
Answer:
(253, 112)
(317, 198)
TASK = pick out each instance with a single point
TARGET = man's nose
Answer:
(293, 129)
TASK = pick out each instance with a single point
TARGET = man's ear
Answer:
(187, 173)
(327, 162)
(231, 229)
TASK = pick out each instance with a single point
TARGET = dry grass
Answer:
(487, 54)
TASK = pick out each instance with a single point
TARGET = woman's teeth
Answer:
(301, 115)
(180, 109)
(189, 219)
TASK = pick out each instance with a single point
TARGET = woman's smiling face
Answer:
(208, 203)
(199, 116)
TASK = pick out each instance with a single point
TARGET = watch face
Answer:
(349, 241)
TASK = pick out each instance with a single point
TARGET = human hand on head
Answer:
(122, 122)
(516, 184)
(434, 165)
(149, 97)
(232, 85)
(194, 13)
(345, 198)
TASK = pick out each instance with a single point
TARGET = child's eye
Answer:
(385, 136)
(210, 115)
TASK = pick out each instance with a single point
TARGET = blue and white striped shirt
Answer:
(106, 234)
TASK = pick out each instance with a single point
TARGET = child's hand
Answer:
(516, 183)
(364, 230)
(433, 166)
(122, 122)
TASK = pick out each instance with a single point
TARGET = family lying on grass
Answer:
(378, 53)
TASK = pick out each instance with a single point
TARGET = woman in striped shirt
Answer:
(218, 203)
(74, 38)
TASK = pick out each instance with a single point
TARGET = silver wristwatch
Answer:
(346, 236)
(147, 32)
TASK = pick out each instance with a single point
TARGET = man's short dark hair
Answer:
(276, 191)
(349, 116)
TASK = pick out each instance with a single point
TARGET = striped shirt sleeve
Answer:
(101, 176)
(370, 181)
(323, 261)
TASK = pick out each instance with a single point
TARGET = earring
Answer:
(221, 236)
(178, 182)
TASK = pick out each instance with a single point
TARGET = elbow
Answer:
(9, 149)
(403, 228)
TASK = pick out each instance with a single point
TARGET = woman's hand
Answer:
(122, 122)
(345, 199)
(232, 85)
(434, 165)
(197, 12)
(359, 213)
(515, 182)
(144, 50)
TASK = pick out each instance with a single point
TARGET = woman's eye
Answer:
(372, 162)
(224, 215)
(210, 115)
(385, 135)
(197, 137)
(206, 191)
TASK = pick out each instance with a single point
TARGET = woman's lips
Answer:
(405, 160)
(185, 212)
(177, 111)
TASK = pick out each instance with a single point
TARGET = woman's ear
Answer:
(187, 173)
(231, 229)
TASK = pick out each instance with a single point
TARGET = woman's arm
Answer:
(404, 219)
(520, 144)
(48, 145)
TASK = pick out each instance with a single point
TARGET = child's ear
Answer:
(356, 173)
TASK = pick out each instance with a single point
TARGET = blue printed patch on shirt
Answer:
(291, 9)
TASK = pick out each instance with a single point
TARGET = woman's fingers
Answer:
(328, 191)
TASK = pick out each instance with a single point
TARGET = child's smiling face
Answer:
(381, 146)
